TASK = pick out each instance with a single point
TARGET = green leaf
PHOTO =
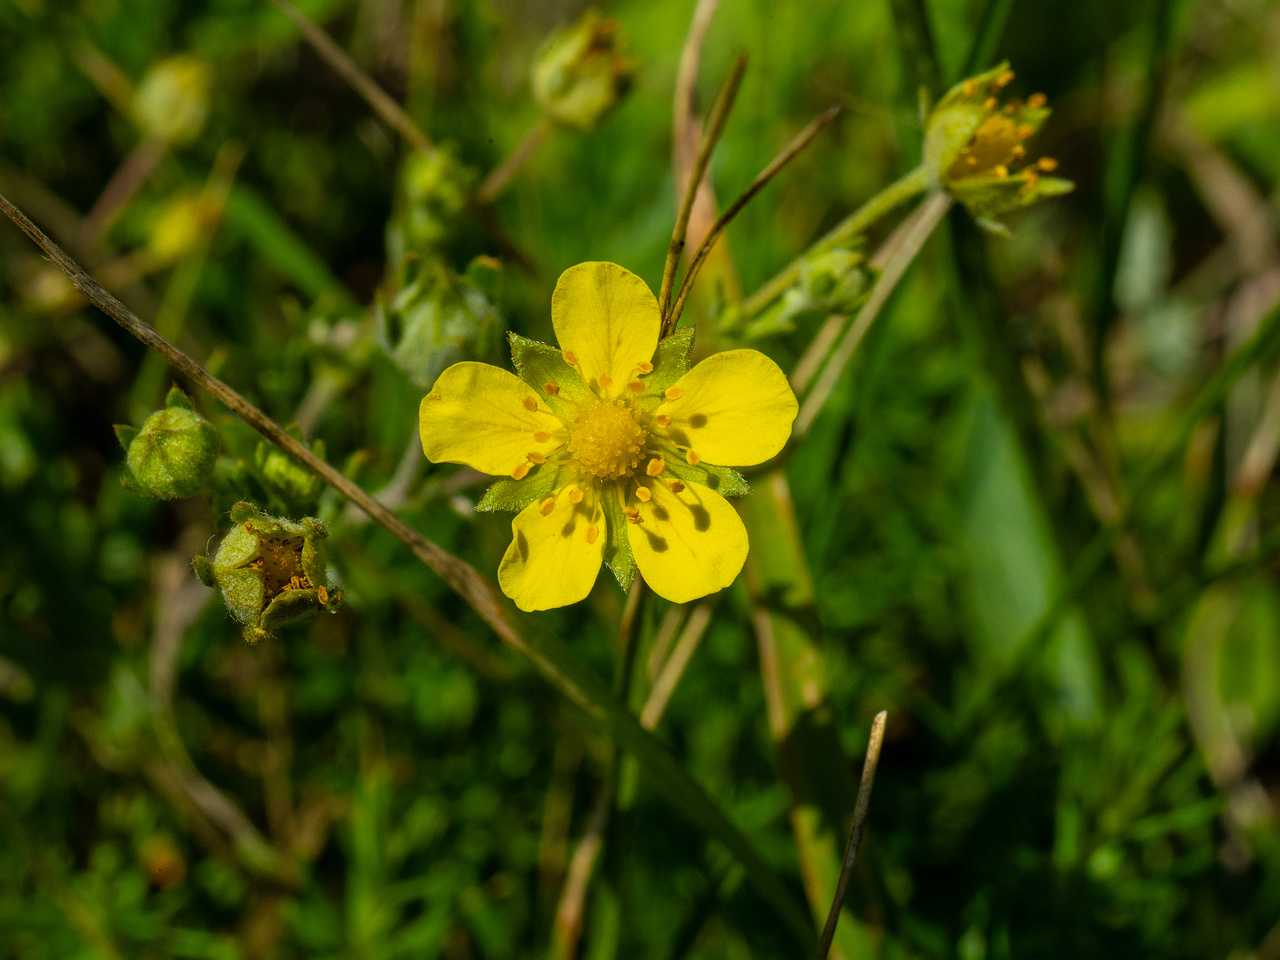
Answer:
(538, 364)
(723, 480)
(617, 551)
(515, 495)
(670, 362)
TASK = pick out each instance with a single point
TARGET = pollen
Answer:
(655, 467)
(547, 506)
(593, 533)
(663, 420)
(643, 494)
(534, 456)
(1037, 100)
(575, 495)
(551, 388)
(970, 88)
(607, 442)
(1001, 171)
(1004, 78)
(542, 436)
(322, 594)
(674, 393)
(521, 471)
(644, 366)
(530, 404)
(676, 486)
(633, 515)
(693, 458)
(605, 381)
(636, 386)
(1047, 163)
(990, 103)
(570, 358)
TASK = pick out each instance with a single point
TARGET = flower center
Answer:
(607, 442)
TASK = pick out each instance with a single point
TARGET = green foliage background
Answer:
(1082, 747)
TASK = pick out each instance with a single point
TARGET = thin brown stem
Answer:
(501, 175)
(789, 153)
(377, 98)
(855, 835)
(711, 136)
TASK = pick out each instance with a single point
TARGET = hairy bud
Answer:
(172, 455)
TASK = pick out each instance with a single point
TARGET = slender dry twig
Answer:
(716, 119)
(789, 153)
(904, 244)
(855, 834)
(493, 185)
(377, 98)
(810, 361)
(673, 667)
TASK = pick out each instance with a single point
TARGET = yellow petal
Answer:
(476, 414)
(689, 544)
(554, 558)
(608, 319)
(734, 409)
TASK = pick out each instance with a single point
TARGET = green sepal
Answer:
(617, 549)
(176, 398)
(538, 364)
(515, 495)
(670, 362)
(125, 434)
(204, 570)
(723, 480)
(986, 197)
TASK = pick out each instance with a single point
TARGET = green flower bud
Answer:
(580, 72)
(293, 483)
(172, 101)
(437, 317)
(172, 455)
(833, 281)
(271, 571)
(972, 145)
(434, 189)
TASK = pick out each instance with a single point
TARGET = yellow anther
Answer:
(295, 583)
(542, 436)
(1001, 170)
(663, 420)
(534, 456)
(547, 506)
(673, 393)
(551, 388)
(1004, 78)
(1019, 151)
(633, 515)
(530, 404)
(990, 103)
(643, 494)
(575, 495)
(692, 457)
(676, 486)
(971, 161)
(322, 594)
(605, 381)
(570, 358)
(1025, 131)
(655, 467)
(521, 471)
(1047, 163)
(1037, 100)
(593, 532)
(644, 366)
(434, 396)
(970, 88)
(636, 386)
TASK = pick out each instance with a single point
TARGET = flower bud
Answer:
(172, 101)
(833, 281)
(286, 478)
(580, 71)
(271, 571)
(974, 148)
(434, 188)
(172, 455)
(437, 317)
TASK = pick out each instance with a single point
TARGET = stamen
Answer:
(663, 420)
(1001, 170)
(1004, 78)
(542, 436)
(1037, 100)
(643, 494)
(1047, 163)
(692, 458)
(548, 505)
(636, 386)
(633, 515)
(676, 486)
(434, 396)
(1032, 179)
(655, 467)
(530, 404)
(575, 495)
(970, 88)
(570, 358)
(673, 393)
(605, 381)
(551, 388)
(535, 457)
(1025, 131)
(644, 366)
(322, 594)
(1019, 151)
(990, 103)
(593, 532)
(521, 471)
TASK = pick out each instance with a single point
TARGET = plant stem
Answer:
(894, 195)
(501, 175)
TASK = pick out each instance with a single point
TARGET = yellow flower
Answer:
(616, 452)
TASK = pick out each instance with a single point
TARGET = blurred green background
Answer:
(1035, 521)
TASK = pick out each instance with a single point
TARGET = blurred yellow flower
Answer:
(616, 451)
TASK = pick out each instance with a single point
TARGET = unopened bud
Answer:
(580, 71)
(172, 101)
(172, 455)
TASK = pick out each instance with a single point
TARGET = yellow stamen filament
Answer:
(548, 505)
(551, 388)
(676, 486)
(593, 532)
(1047, 163)
(1037, 100)
(636, 386)
(693, 458)
(575, 495)
(530, 404)
(535, 457)
(673, 393)
(644, 366)
(521, 471)
(655, 467)
(663, 420)
(643, 494)
(570, 358)
(542, 436)
(605, 381)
